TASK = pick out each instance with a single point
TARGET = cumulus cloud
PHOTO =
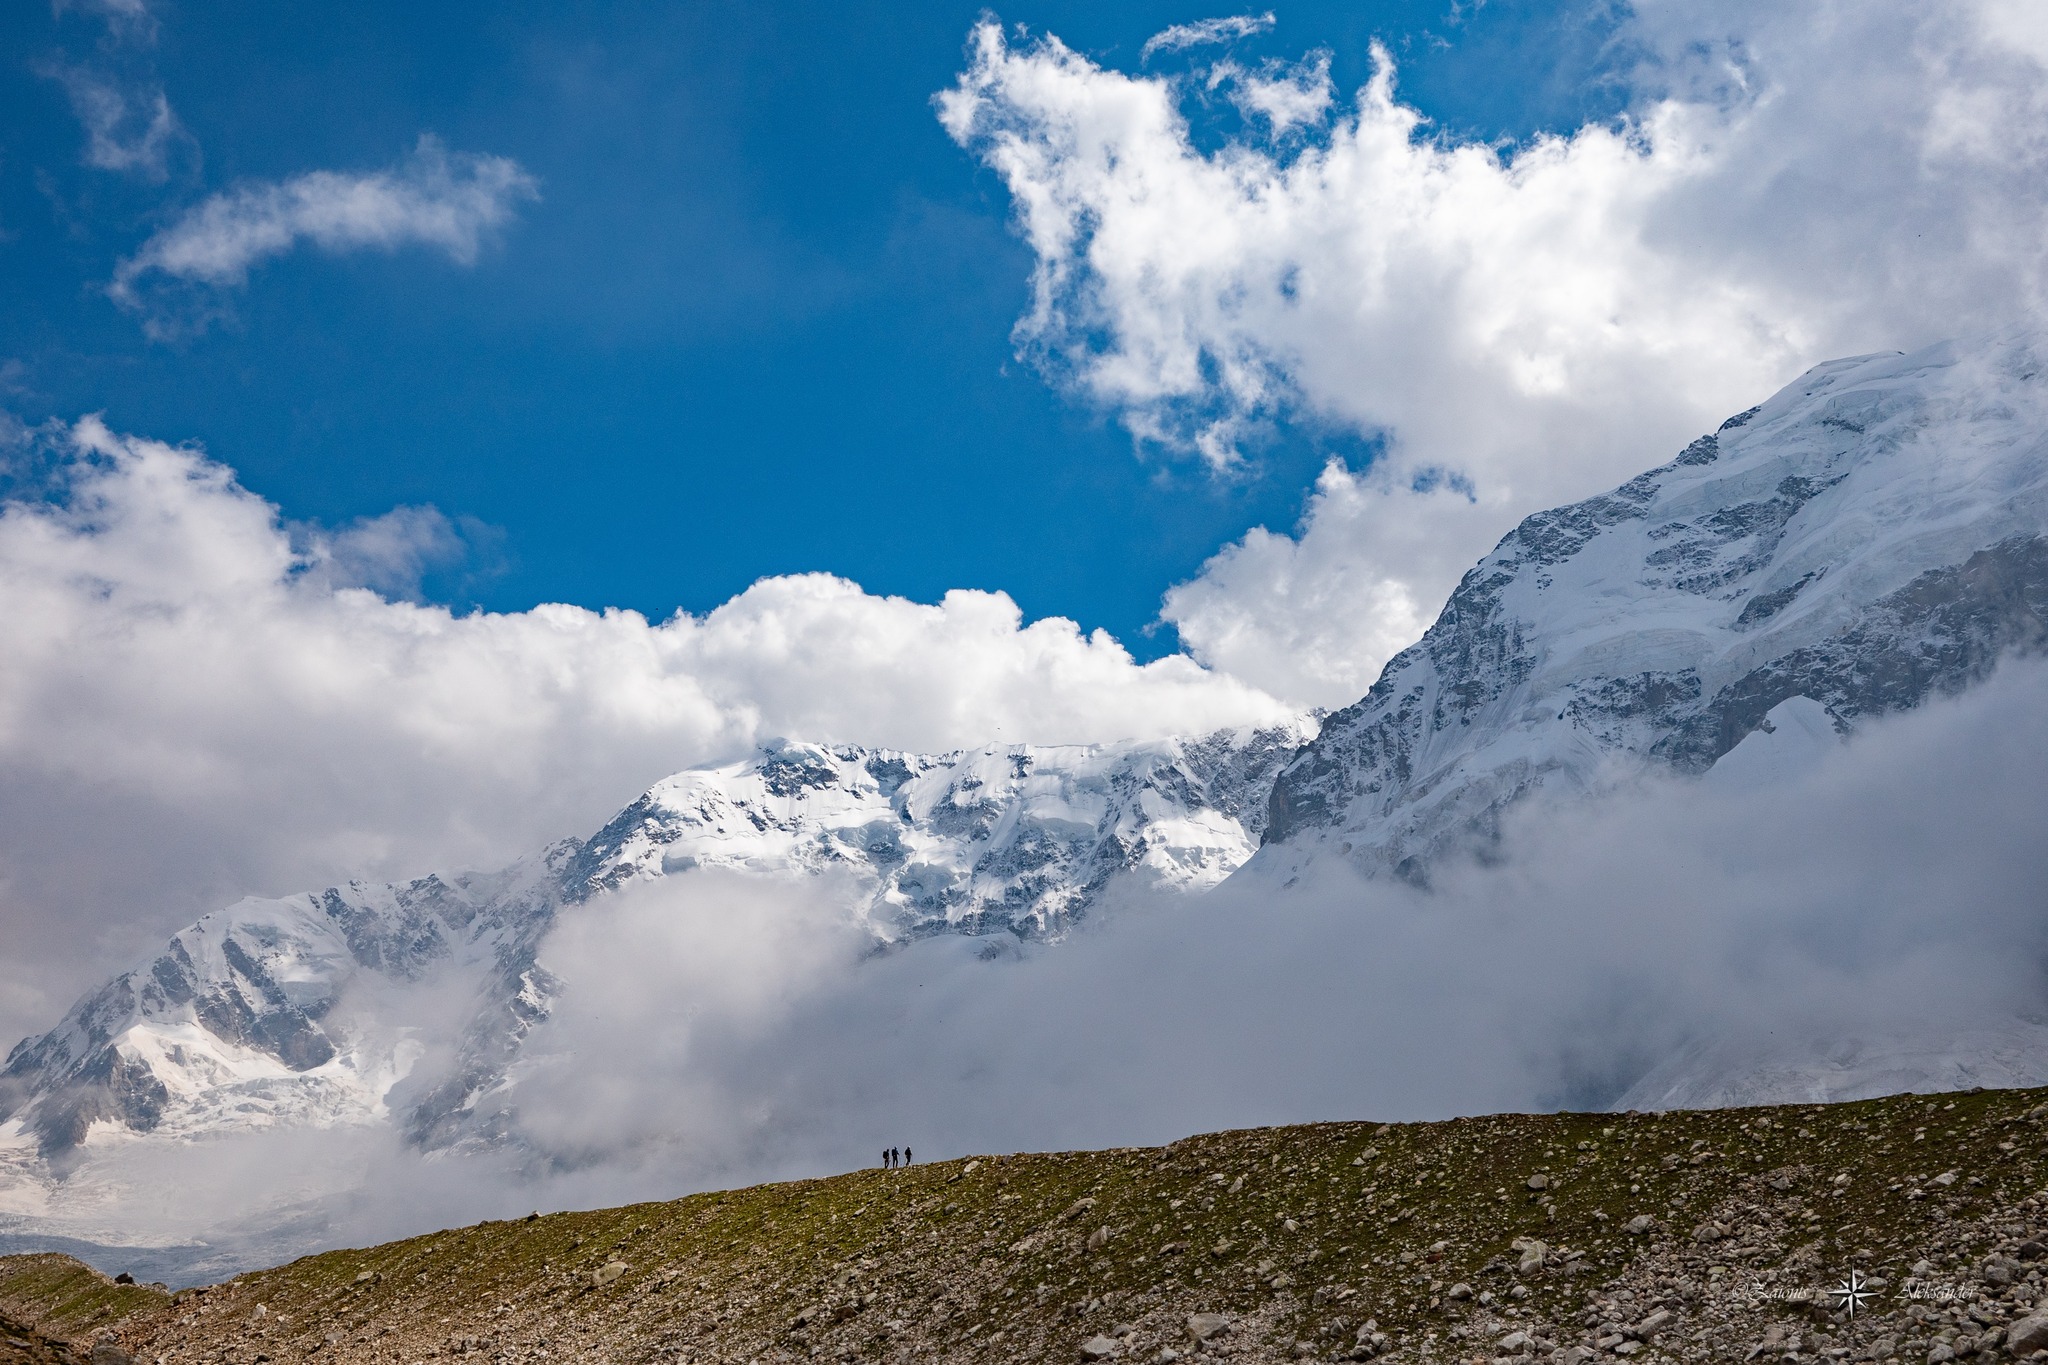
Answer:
(199, 702)
(1204, 32)
(434, 198)
(1285, 95)
(1792, 183)
(1300, 616)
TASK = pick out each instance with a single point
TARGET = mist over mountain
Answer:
(1691, 790)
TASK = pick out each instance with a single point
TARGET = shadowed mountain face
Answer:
(1875, 534)
(313, 1009)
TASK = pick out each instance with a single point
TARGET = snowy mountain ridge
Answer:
(1874, 534)
(327, 1008)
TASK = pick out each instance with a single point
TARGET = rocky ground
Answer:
(1572, 1238)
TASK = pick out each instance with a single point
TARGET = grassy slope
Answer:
(49, 1301)
(1300, 1234)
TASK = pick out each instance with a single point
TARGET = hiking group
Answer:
(891, 1158)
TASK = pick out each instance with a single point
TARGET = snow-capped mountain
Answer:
(305, 1010)
(335, 1007)
(1019, 839)
(1874, 534)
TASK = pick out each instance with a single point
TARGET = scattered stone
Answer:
(1203, 1326)
(1944, 1179)
(606, 1273)
(1459, 1292)
(1099, 1238)
(1640, 1224)
(2028, 1335)
(1100, 1347)
(1539, 1181)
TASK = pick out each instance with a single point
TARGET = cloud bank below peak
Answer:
(1529, 324)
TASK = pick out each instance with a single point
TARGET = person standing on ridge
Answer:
(885, 1158)
(906, 1156)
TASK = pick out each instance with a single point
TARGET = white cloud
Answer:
(196, 705)
(391, 553)
(1285, 95)
(1793, 183)
(1304, 616)
(434, 198)
(130, 131)
(1203, 32)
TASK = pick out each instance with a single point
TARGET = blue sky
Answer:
(757, 322)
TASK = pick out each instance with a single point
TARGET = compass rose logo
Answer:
(1850, 1294)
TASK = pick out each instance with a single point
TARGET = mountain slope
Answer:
(1874, 534)
(1575, 1238)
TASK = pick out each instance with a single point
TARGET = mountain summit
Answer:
(314, 1008)
(1875, 534)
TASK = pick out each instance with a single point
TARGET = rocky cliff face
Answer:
(1874, 534)
(323, 1008)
